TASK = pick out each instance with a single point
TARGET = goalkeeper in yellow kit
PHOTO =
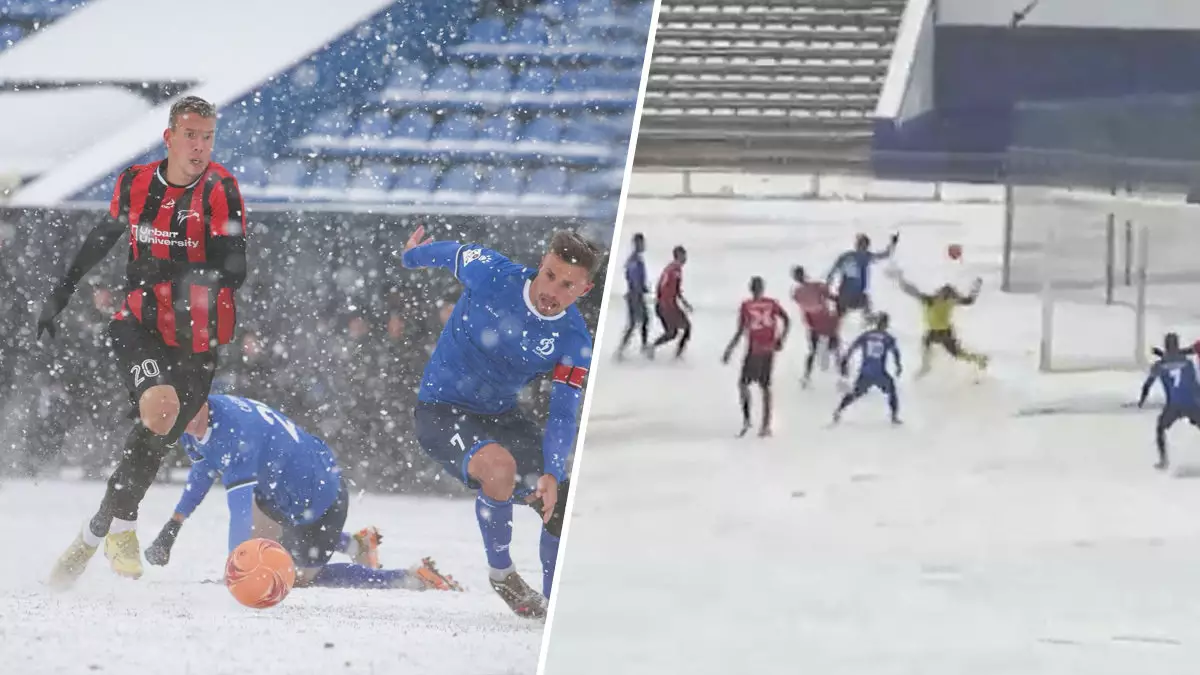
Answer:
(939, 322)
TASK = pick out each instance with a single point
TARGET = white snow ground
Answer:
(970, 540)
(171, 622)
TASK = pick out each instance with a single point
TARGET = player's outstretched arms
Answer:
(787, 327)
(97, 245)
(908, 289)
(566, 395)
(891, 248)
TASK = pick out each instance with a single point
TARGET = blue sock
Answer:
(495, 524)
(549, 550)
(349, 575)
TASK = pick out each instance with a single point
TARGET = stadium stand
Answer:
(735, 79)
(21, 18)
(528, 110)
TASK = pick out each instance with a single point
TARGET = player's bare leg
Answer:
(115, 523)
(495, 469)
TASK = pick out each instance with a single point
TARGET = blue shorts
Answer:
(451, 436)
(1173, 413)
(313, 544)
(849, 299)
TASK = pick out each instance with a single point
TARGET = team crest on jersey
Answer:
(545, 347)
(474, 254)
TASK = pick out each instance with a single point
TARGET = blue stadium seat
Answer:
(500, 128)
(495, 79)
(576, 80)
(504, 183)
(577, 132)
(333, 123)
(288, 173)
(374, 176)
(545, 129)
(451, 78)
(414, 182)
(374, 124)
(535, 79)
(408, 76)
(529, 31)
(547, 182)
(458, 184)
(486, 31)
(459, 127)
(250, 171)
(416, 126)
(331, 176)
(10, 34)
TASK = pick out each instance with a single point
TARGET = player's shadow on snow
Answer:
(1186, 471)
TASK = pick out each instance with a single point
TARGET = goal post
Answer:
(1102, 265)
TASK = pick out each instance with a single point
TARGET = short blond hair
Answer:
(191, 105)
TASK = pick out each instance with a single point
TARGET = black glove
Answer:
(895, 238)
(159, 552)
(54, 305)
(1157, 352)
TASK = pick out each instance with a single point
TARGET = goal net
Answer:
(1114, 272)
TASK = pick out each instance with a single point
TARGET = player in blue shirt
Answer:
(282, 484)
(854, 269)
(874, 346)
(1177, 374)
(511, 324)
(635, 295)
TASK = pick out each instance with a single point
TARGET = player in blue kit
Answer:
(635, 295)
(282, 484)
(874, 346)
(854, 269)
(1177, 374)
(511, 324)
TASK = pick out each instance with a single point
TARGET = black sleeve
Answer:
(97, 245)
(227, 236)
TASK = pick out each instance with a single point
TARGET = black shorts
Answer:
(146, 362)
(945, 338)
(757, 368)
(313, 544)
(451, 436)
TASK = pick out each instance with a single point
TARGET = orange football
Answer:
(260, 573)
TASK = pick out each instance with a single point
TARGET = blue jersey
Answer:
(874, 346)
(1177, 375)
(257, 450)
(635, 275)
(854, 268)
(496, 343)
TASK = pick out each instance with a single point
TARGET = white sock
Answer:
(351, 547)
(119, 526)
(89, 538)
(498, 575)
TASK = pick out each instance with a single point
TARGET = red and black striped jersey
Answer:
(187, 253)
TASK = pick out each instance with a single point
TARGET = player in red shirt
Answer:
(816, 304)
(671, 305)
(759, 317)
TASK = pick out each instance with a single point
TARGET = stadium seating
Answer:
(529, 109)
(20, 18)
(742, 76)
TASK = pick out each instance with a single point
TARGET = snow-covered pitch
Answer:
(978, 538)
(181, 620)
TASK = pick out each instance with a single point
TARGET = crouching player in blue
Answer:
(1177, 374)
(282, 484)
(854, 268)
(874, 346)
(510, 325)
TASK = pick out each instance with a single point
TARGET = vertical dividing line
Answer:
(605, 311)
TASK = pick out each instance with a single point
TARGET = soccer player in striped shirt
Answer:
(185, 223)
